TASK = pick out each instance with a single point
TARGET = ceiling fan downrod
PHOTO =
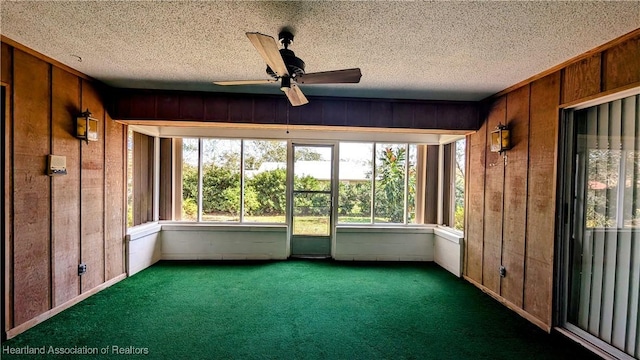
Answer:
(286, 38)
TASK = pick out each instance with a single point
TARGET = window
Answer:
(607, 143)
(233, 180)
(220, 180)
(245, 181)
(265, 181)
(355, 175)
(190, 179)
(459, 184)
(390, 183)
(377, 176)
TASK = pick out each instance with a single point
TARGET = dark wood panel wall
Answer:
(511, 200)
(133, 104)
(166, 180)
(55, 223)
(143, 158)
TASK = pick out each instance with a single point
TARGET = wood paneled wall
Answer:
(133, 104)
(165, 196)
(55, 223)
(511, 201)
(143, 159)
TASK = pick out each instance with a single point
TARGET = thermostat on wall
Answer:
(57, 165)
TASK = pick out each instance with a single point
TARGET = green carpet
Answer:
(293, 310)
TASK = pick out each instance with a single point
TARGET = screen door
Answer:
(312, 194)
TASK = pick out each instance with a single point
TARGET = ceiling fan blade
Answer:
(268, 49)
(295, 95)
(331, 77)
(245, 82)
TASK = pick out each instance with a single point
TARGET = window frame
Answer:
(242, 171)
(409, 146)
(374, 174)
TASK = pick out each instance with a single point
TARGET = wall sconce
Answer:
(500, 140)
(87, 127)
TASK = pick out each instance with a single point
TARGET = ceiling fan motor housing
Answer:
(295, 65)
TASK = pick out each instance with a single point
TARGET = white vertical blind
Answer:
(606, 263)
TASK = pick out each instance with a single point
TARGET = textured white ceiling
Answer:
(415, 50)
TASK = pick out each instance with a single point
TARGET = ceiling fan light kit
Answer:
(284, 65)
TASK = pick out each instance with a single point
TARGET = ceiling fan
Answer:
(284, 66)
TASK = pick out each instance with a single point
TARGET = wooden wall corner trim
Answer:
(56, 310)
(45, 58)
(539, 323)
(8, 208)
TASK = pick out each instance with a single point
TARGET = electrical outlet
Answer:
(82, 268)
(503, 271)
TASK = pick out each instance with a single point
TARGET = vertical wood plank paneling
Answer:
(310, 114)
(269, 109)
(582, 79)
(216, 109)
(92, 195)
(65, 202)
(448, 116)
(543, 138)
(47, 227)
(358, 113)
(191, 107)
(402, 115)
(143, 106)
(114, 197)
(240, 110)
(380, 113)
(283, 111)
(6, 58)
(150, 162)
(143, 201)
(166, 177)
(622, 64)
(137, 179)
(143, 180)
(167, 106)
(493, 207)
(474, 232)
(265, 111)
(123, 103)
(334, 113)
(31, 142)
(515, 196)
(425, 116)
(6, 75)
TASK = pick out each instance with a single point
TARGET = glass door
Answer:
(312, 200)
(601, 241)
